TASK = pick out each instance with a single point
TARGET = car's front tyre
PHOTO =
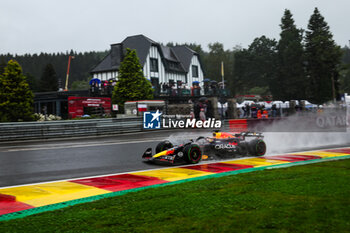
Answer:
(164, 145)
(192, 154)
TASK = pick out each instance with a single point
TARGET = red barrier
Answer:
(238, 125)
(77, 105)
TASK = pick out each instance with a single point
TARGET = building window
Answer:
(195, 71)
(173, 65)
(154, 64)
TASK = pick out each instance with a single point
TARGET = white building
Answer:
(160, 64)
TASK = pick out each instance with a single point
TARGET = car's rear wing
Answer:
(250, 134)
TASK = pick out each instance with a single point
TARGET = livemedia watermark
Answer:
(156, 120)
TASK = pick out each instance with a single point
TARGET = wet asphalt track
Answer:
(49, 160)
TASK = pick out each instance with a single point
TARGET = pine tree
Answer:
(131, 84)
(262, 61)
(48, 80)
(34, 64)
(2, 66)
(216, 55)
(254, 68)
(16, 98)
(290, 63)
(323, 57)
(33, 83)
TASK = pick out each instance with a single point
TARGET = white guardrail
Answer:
(68, 128)
(71, 128)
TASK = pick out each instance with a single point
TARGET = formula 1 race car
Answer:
(221, 145)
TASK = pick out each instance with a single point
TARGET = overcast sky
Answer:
(34, 26)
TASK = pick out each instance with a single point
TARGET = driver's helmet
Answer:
(222, 135)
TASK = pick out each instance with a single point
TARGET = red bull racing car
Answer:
(220, 145)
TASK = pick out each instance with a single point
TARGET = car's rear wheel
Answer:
(192, 154)
(257, 147)
(164, 145)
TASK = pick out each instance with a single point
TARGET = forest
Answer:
(301, 64)
(41, 69)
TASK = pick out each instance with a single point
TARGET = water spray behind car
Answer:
(307, 131)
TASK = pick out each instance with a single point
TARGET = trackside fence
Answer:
(96, 127)
(68, 128)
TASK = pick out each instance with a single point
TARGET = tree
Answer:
(345, 80)
(131, 84)
(33, 83)
(255, 67)
(212, 65)
(2, 66)
(346, 55)
(80, 85)
(16, 99)
(216, 55)
(48, 80)
(323, 58)
(242, 67)
(34, 64)
(263, 62)
(290, 62)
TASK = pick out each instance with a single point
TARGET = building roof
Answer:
(141, 44)
(176, 59)
(185, 55)
(104, 65)
(168, 53)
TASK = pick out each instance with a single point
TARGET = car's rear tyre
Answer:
(257, 147)
(164, 145)
(192, 154)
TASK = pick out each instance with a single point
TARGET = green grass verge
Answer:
(310, 198)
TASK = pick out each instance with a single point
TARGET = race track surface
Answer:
(49, 160)
(21, 201)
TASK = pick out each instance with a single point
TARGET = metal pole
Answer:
(333, 90)
(137, 108)
(222, 91)
(67, 77)
(222, 75)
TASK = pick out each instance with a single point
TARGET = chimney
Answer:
(116, 54)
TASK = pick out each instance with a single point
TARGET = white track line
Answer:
(89, 137)
(77, 145)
